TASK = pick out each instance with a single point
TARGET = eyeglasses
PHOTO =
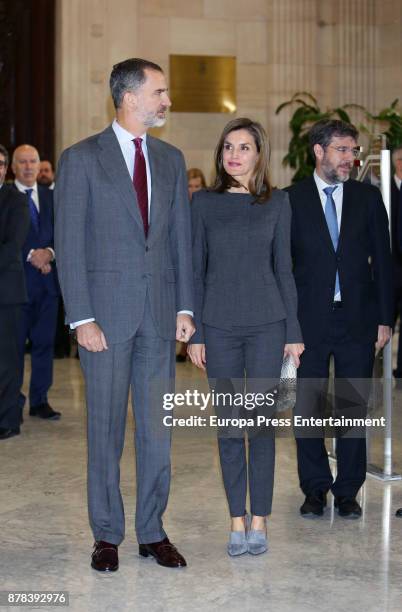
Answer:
(354, 150)
(3, 164)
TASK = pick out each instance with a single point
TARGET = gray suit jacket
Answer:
(242, 262)
(106, 265)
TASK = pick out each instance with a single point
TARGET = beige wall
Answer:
(342, 51)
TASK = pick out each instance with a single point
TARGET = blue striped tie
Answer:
(33, 211)
(332, 222)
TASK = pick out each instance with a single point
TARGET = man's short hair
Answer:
(128, 76)
(396, 154)
(323, 131)
(43, 159)
(4, 152)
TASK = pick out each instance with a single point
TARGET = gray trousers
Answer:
(257, 353)
(146, 362)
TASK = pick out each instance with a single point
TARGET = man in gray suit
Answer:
(124, 256)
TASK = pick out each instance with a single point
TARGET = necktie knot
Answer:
(137, 143)
(330, 190)
(28, 192)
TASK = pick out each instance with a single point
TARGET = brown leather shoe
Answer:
(105, 557)
(164, 552)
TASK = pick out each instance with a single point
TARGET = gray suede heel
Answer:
(257, 542)
(237, 544)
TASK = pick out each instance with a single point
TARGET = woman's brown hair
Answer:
(193, 173)
(259, 185)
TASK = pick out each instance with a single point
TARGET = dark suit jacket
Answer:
(396, 223)
(242, 263)
(363, 259)
(14, 226)
(40, 240)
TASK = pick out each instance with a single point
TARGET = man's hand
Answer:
(295, 350)
(185, 327)
(46, 269)
(91, 337)
(40, 258)
(384, 335)
(197, 355)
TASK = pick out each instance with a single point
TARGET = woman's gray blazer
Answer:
(242, 262)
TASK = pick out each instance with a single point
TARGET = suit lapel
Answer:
(347, 212)
(112, 161)
(160, 180)
(316, 213)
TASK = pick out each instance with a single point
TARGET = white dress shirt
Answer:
(127, 147)
(34, 194)
(35, 199)
(398, 181)
(338, 198)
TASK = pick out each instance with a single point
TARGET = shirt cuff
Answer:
(78, 323)
(189, 312)
(48, 248)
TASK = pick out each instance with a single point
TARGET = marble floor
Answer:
(325, 564)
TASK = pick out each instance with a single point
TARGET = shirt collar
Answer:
(321, 185)
(398, 181)
(123, 136)
(23, 188)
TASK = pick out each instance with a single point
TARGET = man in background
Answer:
(62, 342)
(14, 226)
(39, 315)
(46, 174)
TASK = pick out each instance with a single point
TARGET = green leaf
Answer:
(283, 105)
(357, 106)
(342, 114)
(307, 94)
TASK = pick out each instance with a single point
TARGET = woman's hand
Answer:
(196, 353)
(294, 350)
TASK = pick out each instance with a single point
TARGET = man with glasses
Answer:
(14, 225)
(343, 273)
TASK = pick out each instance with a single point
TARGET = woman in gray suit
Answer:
(246, 315)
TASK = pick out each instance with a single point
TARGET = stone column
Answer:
(91, 36)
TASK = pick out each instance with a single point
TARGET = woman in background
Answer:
(195, 181)
(246, 305)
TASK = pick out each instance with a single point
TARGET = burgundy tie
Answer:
(140, 182)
